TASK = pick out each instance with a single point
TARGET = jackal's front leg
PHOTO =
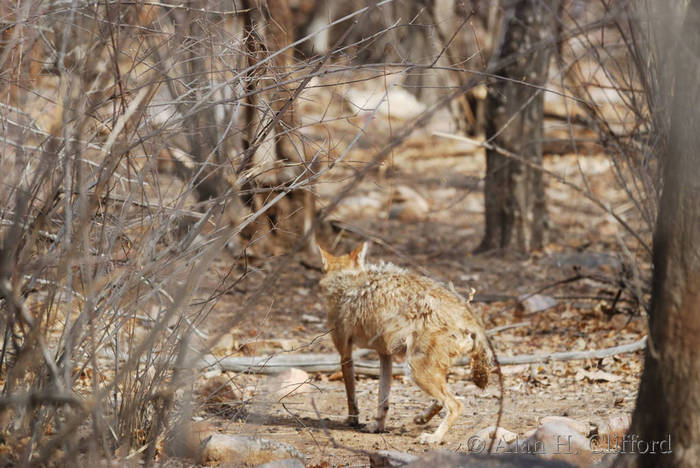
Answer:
(384, 387)
(348, 369)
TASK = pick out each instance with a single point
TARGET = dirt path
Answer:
(438, 243)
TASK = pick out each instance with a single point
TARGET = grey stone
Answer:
(390, 458)
(442, 459)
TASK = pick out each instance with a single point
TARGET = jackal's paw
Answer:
(429, 439)
(420, 419)
(374, 427)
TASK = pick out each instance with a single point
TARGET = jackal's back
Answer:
(385, 307)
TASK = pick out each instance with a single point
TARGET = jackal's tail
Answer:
(482, 359)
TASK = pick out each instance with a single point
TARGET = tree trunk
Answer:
(668, 404)
(514, 191)
(274, 153)
(201, 127)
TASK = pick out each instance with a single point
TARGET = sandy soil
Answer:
(439, 245)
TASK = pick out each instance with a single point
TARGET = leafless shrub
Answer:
(609, 58)
(142, 139)
(134, 140)
(97, 275)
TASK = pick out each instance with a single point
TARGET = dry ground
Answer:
(423, 209)
(448, 177)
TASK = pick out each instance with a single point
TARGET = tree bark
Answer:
(668, 403)
(201, 127)
(514, 192)
(274, 153)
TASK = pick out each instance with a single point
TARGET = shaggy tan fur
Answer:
(391, 310)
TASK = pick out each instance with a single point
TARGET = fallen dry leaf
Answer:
(597, 376)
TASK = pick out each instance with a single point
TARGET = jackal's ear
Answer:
(358, 255)
(325, 258)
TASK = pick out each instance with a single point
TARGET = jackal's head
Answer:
(355, 260)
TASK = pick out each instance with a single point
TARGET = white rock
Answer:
(286, 463)
(613, 429)
(310, 318)
(536, 303)
(224, 346)
(396, 104)
(500, 434)
(556, 441)
(390, 458)
(578, 426)
(290, 382)
(408, 205)
(245, 450)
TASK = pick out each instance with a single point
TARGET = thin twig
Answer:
(557, 177)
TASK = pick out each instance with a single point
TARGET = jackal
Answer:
(391, 310)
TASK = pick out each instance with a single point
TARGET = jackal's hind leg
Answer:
(425, 418)
(385, 365)
(431, 377)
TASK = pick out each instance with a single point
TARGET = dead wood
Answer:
(320, 362)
